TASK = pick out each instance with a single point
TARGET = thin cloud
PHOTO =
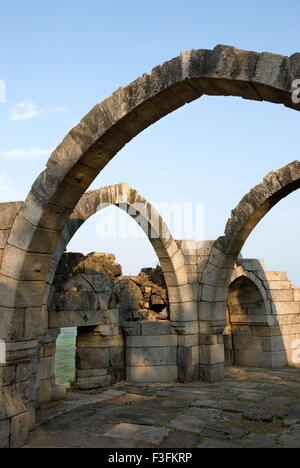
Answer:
(19, 154)
(25, 111)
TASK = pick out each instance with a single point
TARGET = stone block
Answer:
(211, 311)
(8, 212)
(19, 430)
(211, 354)
(30, 238)
(45, 391)
(297, 294)
(92, 358)
(151, 341)
(212, 372)
(90, 383)
(185, 328)
(189, 373)
(108, 330)
(58, 393)
(285, 295)
(285, 308)
(277, 284)
(51, 335)
(188, 356)
(212, 293)
(82, 374)
(197, 291)
(25, 266)
(155, 356)
(273, 343)
(152, 374)
(13, 400)
(272, 275)
(117, 356)
(162, 327)
(188, 340)
(251, 264)
(3, 238)
(19, 294)
(47, 367)
(98, 341)
(186, 312)
(23, 372)
(36, 321)
(179, 277)
(77, 318)
(49, 349)
(132, 328)
(7, 375)
(181, 294)
(4, 434)
(11, 324)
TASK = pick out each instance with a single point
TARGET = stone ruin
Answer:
(88, 290)
(205, 282)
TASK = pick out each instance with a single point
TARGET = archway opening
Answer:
(93, 294)
(246, 310)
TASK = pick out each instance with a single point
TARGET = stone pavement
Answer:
(251, 408)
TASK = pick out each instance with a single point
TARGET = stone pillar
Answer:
(100, 354)
(151, 352)
(16, 414)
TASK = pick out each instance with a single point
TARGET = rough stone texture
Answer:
(36, 227)
(240, 412)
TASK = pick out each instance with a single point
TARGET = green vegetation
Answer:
(65, 356)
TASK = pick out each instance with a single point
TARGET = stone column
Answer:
(100, 354)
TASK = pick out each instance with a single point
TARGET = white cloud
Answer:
(25, 111)
(33, 152)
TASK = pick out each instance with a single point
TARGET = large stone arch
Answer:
(88, 148)
(129, 200)
(224, 252)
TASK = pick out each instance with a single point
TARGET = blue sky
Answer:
(60, 58)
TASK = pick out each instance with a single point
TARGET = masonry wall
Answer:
(263, 328)
(151, 352)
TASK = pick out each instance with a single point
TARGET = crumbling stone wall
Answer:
(263, 317)
(91, 294)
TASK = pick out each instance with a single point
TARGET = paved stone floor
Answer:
(253, 408)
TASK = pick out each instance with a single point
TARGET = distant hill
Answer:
(65, 356)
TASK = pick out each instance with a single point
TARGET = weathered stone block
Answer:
(90, 383)
(212, 372)
(149, 341)
(4, 434)
(47, 367)
(162, 327)
(92, 358)
(155, 356)
(211, 354)
(181, 294)
(19, 430)
(186, 312)
(23, 372)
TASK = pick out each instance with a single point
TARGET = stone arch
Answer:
(248, 213)
(248, 310)
(224, 252)
(89, 147)
(129, 200)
